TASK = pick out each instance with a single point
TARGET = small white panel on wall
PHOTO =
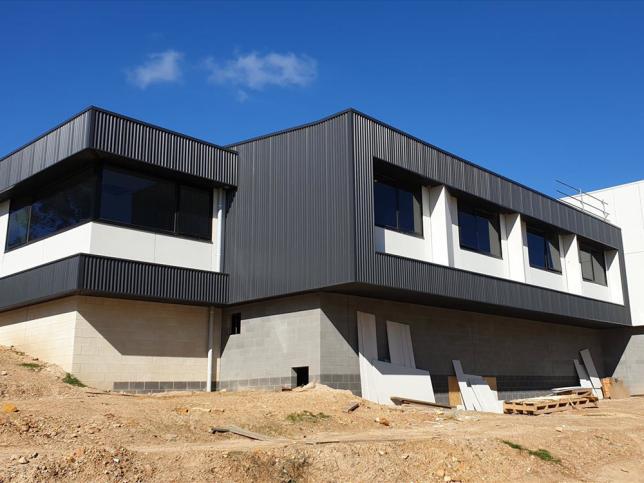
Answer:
(401, 351)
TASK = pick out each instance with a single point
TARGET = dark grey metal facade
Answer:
(113, 277)
(512, 298)
(375, 140)
(290, 225)
(117, 135)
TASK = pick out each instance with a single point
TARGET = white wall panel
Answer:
(62, 245)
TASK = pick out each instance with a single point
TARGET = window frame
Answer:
(416, 193)
(591, 248)
(489, 214)
(97, 170)
(548, 236)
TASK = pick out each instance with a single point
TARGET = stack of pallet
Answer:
(573, 398)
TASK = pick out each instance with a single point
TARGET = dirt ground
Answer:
(65, 433)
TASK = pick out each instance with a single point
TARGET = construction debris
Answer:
(548, 404)
(352, 407)
(476, 394)
(399, 401)
(241, 432)
(595, 382)
(383, 421)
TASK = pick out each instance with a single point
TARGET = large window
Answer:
(543, 249)
(137, 200)
(61, 206)
(397, 206)
(478, 229)
(125, 197)
(593, 263)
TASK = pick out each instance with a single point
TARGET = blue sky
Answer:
(533, 91)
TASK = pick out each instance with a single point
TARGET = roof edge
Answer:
(121, 116)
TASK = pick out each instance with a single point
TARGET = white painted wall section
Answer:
(67, 243)
(625, 206)
(516, 242)
(440, 222)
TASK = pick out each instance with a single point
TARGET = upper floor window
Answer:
(61, 205)
(111, 195)
(397, 206)
(478, 229)
(543, 249)
(593, 263)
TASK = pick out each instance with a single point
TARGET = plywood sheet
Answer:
(454, 393)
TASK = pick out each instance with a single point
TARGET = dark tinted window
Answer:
(593, 264)
(61, 206)
(479, 229)
(385, 205)
(543, 249)
(71, 204)
(397, 207)
(18, 224)
(138, 200)
(194, 216)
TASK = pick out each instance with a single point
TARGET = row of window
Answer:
(112, 195)
(398, 207)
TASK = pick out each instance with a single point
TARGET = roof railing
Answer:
(585, 201)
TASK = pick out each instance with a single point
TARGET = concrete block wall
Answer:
(528, 357)
(45, 331)
(127, 345)
(140, 346)
(276, 336)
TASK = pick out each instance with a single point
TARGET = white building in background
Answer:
(624, 207)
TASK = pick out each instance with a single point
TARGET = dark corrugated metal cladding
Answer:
(113, 277)
(131, 139)
(373, 140)
(56, 145)
(376, 140)
(290, 225)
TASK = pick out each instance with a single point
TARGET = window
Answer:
(593, 264)
(125, 197)
(64, 205)
(156, 204)
(397, 207)
(478, 229)
(194, 215)
(138, 200)
(235, 324)
(543, 249)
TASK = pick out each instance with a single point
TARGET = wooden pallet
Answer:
(547, 405)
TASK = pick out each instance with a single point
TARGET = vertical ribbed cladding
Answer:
(50, 148)
(45, 282)
(290, 225)
(439, 281)
(374, 140)
(132, 139)
(125, 278)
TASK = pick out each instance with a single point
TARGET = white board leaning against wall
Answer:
(380, 380)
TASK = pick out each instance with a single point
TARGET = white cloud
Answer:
(253, 71)
(160, 67)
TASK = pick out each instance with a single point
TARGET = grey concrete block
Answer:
(121, 386)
